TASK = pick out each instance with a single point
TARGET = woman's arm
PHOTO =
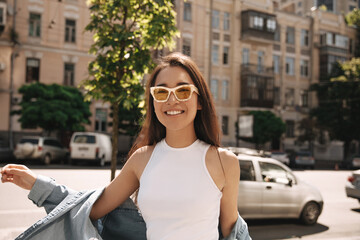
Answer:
(123, 186)
(228, 205)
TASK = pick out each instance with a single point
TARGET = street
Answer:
(340, 218)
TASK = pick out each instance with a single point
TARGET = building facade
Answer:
(255, 55)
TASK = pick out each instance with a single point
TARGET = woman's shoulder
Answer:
(228, 159)
(142, 153)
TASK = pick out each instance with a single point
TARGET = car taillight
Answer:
(97, 152)
(351, 179)
(39, 148)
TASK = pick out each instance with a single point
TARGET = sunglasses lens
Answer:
(183, 93)
(161, 94)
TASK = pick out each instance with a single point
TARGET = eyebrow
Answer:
(178, 84)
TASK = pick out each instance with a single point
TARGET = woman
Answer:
(186, 184)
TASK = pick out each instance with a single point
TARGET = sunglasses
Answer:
(181, 93)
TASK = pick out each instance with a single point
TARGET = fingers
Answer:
(9, 170)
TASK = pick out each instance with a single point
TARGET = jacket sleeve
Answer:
(240, 231)
(46, 193)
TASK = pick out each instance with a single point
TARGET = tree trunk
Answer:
(346, 159)
(115, 138)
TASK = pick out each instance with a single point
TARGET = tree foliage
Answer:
(353, 19)
(125, 33)
(52, 107)
(339, 103)
(266, 127)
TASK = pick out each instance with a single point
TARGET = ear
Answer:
(199, 107)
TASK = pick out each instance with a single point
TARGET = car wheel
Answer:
(310, 213)
(47, 159)
(102, 161)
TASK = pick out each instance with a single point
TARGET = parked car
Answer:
(45, 149)
(281, 156)
(352, 187)
(88, 146)
(304, 159)
(355, 161)
(269, 189)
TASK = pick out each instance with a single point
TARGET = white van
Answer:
(88, 146)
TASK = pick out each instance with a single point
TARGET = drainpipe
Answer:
(11, 137)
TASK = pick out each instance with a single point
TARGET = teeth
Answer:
(173, 112)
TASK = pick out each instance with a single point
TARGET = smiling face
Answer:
(176, 115)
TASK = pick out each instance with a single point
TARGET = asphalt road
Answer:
(340, 218)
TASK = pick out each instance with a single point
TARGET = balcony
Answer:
(258, 26)
(257, 86)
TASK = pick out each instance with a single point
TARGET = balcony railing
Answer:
(248, 68)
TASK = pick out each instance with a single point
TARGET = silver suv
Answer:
(45, 149)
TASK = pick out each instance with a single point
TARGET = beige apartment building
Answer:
(261, 55)
(255, 55)
(51, 47)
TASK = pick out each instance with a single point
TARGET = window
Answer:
(271, 25)
(187, 12)
(245, 56)
(304, 97)
(215, 22)
(225, 90)
(214, 88)
(290, 64)
(276, 64)
(351, 8)
(225, 125)
(69, 74)
(277, 33)
(32, 70)
(2, 13)
(186, 48)
(260, 61)
(290, 128)
(247, 172)
(290, 97)
(100, 119)
(304, 68)
(226, 56)
(226, 21)
(276, 96)
(275, 173)
(290, 35)
(215, 54)
(304, 38)
(256, 22)
(70, 31)
(35, 25)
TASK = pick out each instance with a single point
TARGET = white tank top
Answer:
(177, 197)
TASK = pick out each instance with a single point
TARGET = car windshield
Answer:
(84, 139)
(29, 140)
(304, 154)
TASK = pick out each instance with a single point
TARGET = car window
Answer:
(274, 173)
(48, 142)
(84, 139)
(29, 140)
(247, 172)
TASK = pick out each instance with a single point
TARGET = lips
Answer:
(174, 112)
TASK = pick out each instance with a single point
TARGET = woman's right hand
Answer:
(20, 175)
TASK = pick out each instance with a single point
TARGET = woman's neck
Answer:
(180, 139)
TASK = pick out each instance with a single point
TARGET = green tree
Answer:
(353, 19)
(125, 33)
(52, 107)
(266, 127)
(339, 104)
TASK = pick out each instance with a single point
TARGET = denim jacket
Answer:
(68, 217)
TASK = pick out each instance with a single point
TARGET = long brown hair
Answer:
(205, 123)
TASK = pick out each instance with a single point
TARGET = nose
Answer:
(172, 98)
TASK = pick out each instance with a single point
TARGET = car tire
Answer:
(102, 161)
(310, 213)
(47, 159)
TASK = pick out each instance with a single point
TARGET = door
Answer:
(281, 196)
(249, 198)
